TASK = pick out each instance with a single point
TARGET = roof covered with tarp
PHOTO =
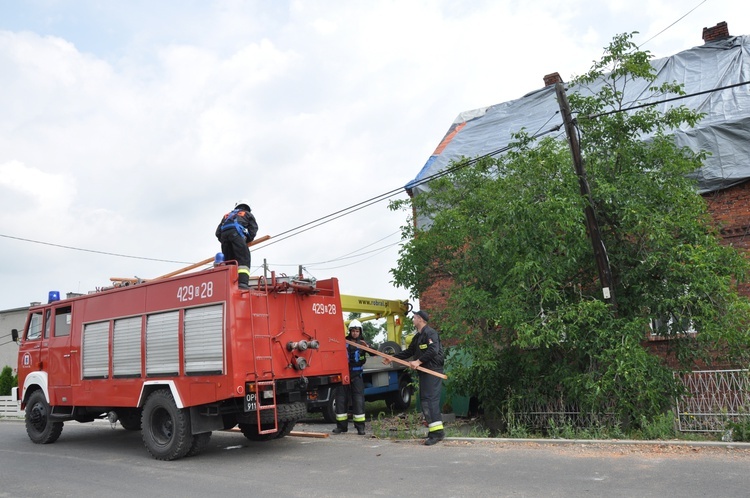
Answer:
(724, 132)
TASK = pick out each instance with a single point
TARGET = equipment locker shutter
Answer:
(162, 344)
(204, 340)
(96, 350)
(126, 347)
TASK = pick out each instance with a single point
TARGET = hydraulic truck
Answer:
(180, 357)
(391, 383)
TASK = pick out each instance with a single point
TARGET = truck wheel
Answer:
(401, 399)
(390, 347)
(250, 431)
(200, 441)
(130, 419)
(329, 410)
(39, 427)
(165, 428)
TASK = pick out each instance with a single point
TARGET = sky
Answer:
(129, 128)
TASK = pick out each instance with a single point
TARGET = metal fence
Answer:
(713, 398)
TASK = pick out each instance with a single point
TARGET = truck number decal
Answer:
(198, 291)
(324, 309)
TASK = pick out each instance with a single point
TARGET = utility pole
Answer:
(600, 252)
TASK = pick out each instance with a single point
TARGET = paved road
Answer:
(94, 458)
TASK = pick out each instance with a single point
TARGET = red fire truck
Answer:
(180, 357)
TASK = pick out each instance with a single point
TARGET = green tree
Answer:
(526, 302)
(7, 381)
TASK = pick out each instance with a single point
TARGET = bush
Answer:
(7, 381)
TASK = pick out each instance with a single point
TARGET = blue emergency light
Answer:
(219, 258)
(53, 296)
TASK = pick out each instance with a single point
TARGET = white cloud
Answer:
(138, 134)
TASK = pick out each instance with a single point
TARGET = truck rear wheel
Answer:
(165, 428)
(401, 399)
(39, 427)
(329, 409)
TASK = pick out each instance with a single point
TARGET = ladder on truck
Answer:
(262, 354)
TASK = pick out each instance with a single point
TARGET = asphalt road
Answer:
(95, 458)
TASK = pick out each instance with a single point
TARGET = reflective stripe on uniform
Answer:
(359, 417)
(243, 269)
(340, 417)
(435, 426)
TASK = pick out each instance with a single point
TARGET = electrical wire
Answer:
(93, 251)
(679, 97)
(678, 20)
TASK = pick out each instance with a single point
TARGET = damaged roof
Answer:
(724, 132)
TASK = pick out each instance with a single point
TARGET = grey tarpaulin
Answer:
(724, 132)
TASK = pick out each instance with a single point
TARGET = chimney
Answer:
(551, 79)
(718, 32)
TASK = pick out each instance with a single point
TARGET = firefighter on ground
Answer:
(236, 230)
(354, 393)
(427, 352)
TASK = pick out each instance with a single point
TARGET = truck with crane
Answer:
(181, 356)
(392, 383)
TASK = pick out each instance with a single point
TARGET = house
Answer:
(722, 61)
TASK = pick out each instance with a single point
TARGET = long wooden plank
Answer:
(308, 434)
(397, 360)
(207, 260)
(187, 268)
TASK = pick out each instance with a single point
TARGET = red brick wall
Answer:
(730, 208)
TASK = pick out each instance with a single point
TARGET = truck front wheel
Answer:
(165, 428)
(39, 427)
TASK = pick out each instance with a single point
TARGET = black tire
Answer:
(401, 399)
(39, 427)
(329, 410)
(389, 347)
(251, 432)
(288, 415)
(165, 428)
(130, 419)
(200, 441)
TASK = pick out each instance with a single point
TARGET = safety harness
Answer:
(231, 221)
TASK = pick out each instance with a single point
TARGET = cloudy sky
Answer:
(128, 128)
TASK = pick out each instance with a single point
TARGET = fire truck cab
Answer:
(180, 357)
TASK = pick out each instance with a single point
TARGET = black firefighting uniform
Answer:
(426, 347)
(354, 392)
(236, 230)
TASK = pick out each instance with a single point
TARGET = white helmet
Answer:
(242, 202)
(355, 324)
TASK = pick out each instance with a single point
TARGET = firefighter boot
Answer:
(360, 428)
(340, 428)
(243, 281)
(434, 437)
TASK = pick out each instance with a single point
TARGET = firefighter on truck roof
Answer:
(236, 230)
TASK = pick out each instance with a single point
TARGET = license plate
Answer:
(250, 405)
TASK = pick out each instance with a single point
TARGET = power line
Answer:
(93, 251)
(678, 20)
(679, 97)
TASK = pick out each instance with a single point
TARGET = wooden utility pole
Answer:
(600, 252)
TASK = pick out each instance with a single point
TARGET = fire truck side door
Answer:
(59, 356)
(29, 354)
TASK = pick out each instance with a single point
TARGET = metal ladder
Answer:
(262, 355)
